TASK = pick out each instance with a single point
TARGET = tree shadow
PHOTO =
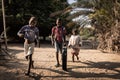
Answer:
(53, 70)
(77, 74)
(104, 65)
(14, 70)
(35, 76)
(100, 65)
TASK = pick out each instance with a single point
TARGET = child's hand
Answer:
(21, 35)
(64, 44)
(69, 46)
(52, 43)
(79, 45)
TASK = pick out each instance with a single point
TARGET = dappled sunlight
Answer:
(92, 64)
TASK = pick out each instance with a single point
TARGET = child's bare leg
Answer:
(29, 64)
(73, 57)
(77, 57)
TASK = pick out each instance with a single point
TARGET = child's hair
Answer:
(58, 20)
(32, 19)
(75, 31)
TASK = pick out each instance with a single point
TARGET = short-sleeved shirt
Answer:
(74, 40)
(58, 33)
(30, 33)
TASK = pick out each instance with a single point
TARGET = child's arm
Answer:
(80, 41)
(21, 32)
(37, 37)
(52, 35)
(64, 35)
(69, 43)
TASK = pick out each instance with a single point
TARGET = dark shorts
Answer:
(58, 46)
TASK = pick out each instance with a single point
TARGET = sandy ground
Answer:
(92, 65)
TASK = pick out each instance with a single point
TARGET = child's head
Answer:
(33, 21)
(74, 32)
(58, 21)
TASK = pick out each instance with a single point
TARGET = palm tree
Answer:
(105, 19)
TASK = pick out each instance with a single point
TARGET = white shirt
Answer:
(74, 40)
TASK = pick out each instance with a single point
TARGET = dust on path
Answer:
(92, 65)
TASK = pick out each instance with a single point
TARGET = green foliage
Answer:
(106, 21)
(85, 3)
(21, 10)
(86, 31)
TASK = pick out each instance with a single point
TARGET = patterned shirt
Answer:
(30, 33)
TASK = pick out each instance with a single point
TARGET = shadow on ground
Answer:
(77, 74)
(14, 70)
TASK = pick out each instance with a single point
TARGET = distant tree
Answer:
(18, 12)
(106, 21)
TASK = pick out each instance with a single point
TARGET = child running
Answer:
(30, 32)
(74, 44)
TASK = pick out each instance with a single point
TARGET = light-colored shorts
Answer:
(29, 48)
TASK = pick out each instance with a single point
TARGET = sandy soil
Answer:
(92, 65)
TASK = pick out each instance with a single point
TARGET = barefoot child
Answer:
(74, 44)
(58, 38)
(30, 32)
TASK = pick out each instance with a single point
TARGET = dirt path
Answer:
(93, 65)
